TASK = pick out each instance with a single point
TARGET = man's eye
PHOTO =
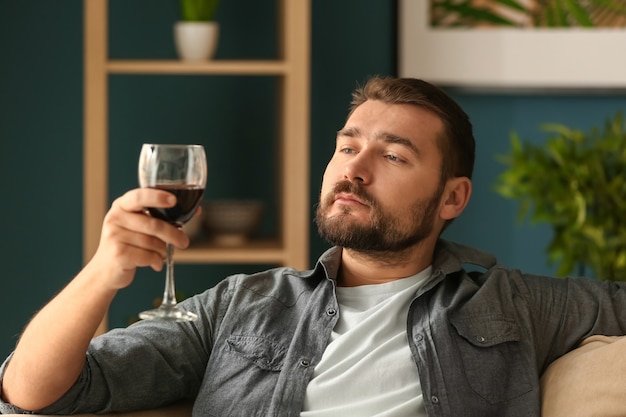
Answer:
(394, 158)
(347, 150)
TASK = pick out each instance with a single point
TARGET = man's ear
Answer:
(455, 197)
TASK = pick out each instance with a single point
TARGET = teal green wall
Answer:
(40, 148)
(41, 133)
(41, 60)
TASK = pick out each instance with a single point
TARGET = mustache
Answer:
(355, 188)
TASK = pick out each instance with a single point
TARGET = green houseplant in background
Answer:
(198, 10)
(576, 182)
(197, 33)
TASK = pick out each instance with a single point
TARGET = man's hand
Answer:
(131, 238)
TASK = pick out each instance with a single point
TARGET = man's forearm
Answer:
(50, 354)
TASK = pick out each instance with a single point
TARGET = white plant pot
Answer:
(196, 41)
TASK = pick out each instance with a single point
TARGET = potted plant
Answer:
(196, 34)
(576, 182)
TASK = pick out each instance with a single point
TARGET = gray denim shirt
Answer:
(479, 341)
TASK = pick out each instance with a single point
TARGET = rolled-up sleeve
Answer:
(146, 365)
(5, 407)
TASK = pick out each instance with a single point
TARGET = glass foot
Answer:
(168, 313)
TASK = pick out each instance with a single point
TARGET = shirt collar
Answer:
(449, 257)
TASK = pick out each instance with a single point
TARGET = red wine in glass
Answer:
(187, 201)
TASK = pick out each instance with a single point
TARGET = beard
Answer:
(385, 232)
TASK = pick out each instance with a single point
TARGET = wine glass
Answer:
(181, 170)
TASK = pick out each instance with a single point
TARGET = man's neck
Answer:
(364, 268)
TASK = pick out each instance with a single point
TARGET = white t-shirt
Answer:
(367, 369)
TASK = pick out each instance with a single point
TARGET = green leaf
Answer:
(578, 13)
(198, 10)
(516, 5)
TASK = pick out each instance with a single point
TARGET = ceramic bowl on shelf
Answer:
(232, 222)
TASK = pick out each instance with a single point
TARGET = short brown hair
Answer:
(458, 146)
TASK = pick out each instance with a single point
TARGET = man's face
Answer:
(382, 188)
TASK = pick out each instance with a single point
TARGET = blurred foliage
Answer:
(539, 13)
(576, 182)
(198, 10)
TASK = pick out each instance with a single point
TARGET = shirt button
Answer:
(481, 339)
(304, 363)
(419, 337)
(331, 311)
(434, 399)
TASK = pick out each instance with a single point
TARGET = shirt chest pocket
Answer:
(241, 377)
(264, 353)
(494, 361)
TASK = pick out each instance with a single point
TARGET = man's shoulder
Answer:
(282, 283)
(452, 256)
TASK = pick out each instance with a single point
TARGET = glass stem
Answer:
(169, 294)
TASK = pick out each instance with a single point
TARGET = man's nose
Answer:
(358, 169)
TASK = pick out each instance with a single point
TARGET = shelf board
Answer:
(232, 67)
(254, 251)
